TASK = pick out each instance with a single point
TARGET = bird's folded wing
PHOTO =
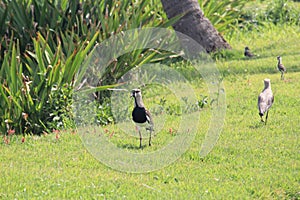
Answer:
(149, 117)
(281, 67)
(260, 99)
(262, 104)
(270, 102)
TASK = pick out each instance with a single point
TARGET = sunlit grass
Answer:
(250, 160)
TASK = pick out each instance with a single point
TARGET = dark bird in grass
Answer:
(247, 53)
(281, 67)
(140, 115)
(265, 100)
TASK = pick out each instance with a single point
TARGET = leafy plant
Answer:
(224, 15)
(12, 91)
(275, 12)
(40, 100)
(282, 11)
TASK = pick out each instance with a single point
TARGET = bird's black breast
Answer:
(139, 115)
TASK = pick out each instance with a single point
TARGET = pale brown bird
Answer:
(265, 100)
(281, 67)
(140, 115)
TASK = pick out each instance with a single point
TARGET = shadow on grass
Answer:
(132, 147)
(257, 125)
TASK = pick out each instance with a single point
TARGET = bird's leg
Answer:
(267, 117)
(140, 138)
(150, 137)
(261, 118)
(282, 76)
(137, 128)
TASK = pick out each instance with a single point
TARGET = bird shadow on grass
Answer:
(255, 57)
(257, 125)
(131, 146)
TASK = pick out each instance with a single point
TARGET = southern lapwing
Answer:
(140, 115)
(247, 52)
(281, 67)
(265, 100)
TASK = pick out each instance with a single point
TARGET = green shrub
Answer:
(23, 19)
(282, 11)
(40, 100)
(13, 91)
(224, 15)
(275, 12)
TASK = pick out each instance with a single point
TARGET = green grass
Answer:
(250, 161)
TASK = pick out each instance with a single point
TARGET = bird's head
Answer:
(278, 58)
(136, 93)
(247, 49)
(267, 82)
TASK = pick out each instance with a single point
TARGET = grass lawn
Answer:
(250, 160)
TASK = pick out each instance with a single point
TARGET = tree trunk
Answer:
(194, 24)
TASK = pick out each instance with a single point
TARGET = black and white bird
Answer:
(265, 100)
(140, 115)
(281, 67)
(247, 52)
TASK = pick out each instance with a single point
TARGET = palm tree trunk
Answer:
(194, 24)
